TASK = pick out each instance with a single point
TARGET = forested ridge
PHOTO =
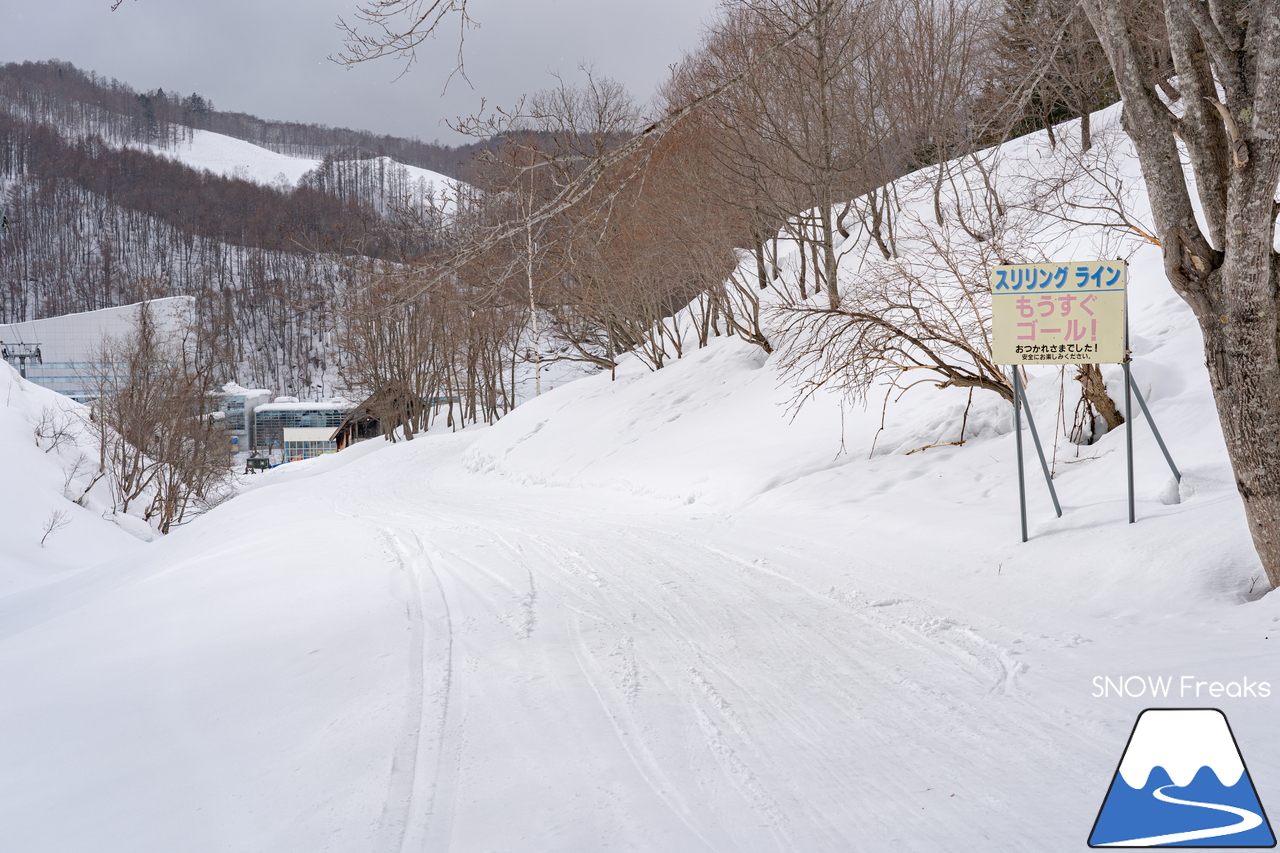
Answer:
(92, 219)
(231, 210)
(104, 234)
(348, 279)
(84, 103)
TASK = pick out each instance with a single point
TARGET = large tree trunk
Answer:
(1246, 385)
(1229, 276)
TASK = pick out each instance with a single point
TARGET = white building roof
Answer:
(328, 406)
(74, 338)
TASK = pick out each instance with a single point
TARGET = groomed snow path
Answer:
(403, 655)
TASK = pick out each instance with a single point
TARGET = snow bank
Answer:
(41, 475)
(718, 431)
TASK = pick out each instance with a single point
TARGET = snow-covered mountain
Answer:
(235, 158)
(663, 612)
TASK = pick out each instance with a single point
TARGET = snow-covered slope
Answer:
(45, 458)
(231, 157)
(659, 613)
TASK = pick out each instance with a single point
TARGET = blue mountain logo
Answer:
(1182, 783)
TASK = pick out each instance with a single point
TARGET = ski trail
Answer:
(631, 738)
(920, 626)
(1248, 820)
(429, 825)
(397, 812)
(621, 678)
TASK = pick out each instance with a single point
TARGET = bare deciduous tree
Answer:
(54, 429)
(57, 520)
(787, 130)
(157, 441)
(925, 314)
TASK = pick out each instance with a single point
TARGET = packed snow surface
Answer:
(663, 613)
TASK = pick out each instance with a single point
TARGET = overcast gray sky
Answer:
(268, 57)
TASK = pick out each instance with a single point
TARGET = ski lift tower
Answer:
(20, 354)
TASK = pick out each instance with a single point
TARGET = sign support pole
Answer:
(1177, 475)
(1128, 430)
(1128, 404)
(1020, 396)
(1017, 431)
(1044, 464)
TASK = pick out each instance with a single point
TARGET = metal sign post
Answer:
(1017, 431)
(1072, 313)
(1128, 409)
(1020, 400)
(1131, 388)
(1128, 434)
(1177, 475)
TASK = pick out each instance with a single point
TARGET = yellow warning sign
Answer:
(1069, 313)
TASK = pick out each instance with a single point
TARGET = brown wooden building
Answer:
(382, 413)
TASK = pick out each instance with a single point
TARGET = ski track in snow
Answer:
(418, 814)
(394, 820)
(737, 697)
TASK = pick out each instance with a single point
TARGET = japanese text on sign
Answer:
(1058, 313)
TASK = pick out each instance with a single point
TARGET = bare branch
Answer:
(399, 28)
(1239, 148)
(631, 156)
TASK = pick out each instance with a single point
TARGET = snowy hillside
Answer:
(235, 158)
(47, 461)
(662, 613)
